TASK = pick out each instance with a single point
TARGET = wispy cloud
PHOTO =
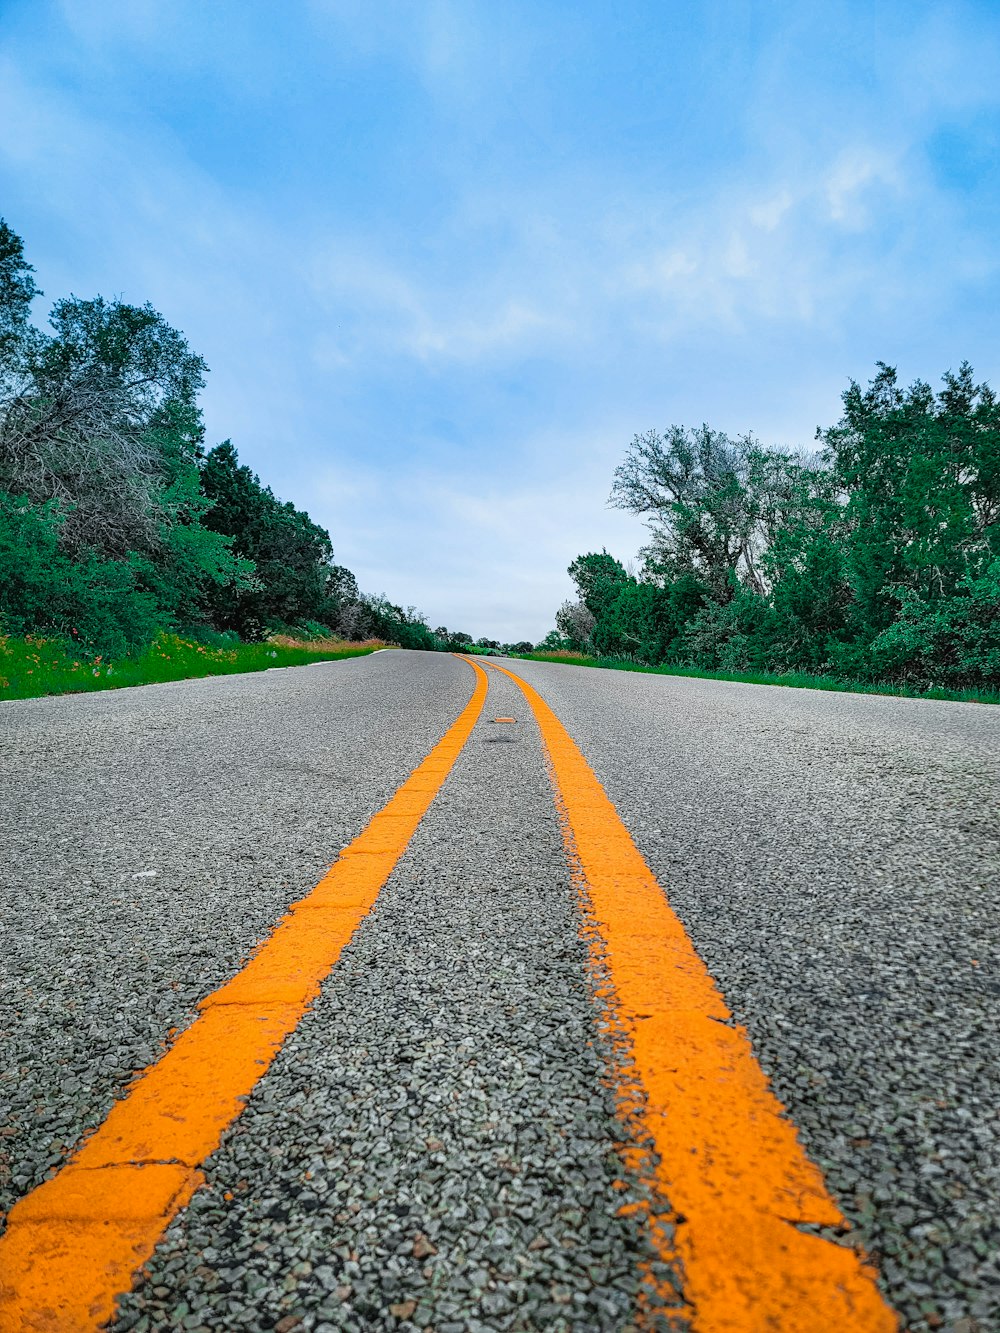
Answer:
(775, 251)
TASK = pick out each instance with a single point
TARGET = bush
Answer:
(954, 641)
(96, 603)
(33, 666)
(728, 636)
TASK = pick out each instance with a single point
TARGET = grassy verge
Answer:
(32, 667)
(796, 679)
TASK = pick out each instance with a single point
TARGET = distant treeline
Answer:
(876, 558)
(116, 523)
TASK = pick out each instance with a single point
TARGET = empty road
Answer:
(623, 1001)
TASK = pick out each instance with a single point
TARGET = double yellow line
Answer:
(727, 1158)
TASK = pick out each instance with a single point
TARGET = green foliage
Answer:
(598, 578)
(647, 620)
(114, 522)
(922, 477)
(294, 577)
(952, 641)
(799, 680)
(34, 666)
(17, 291)
(378, 618)
(729, 636)
(99, 603)
(85, 418)
(452, 641)
(875, 561)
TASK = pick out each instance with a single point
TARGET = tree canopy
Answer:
(116, 522)
(877, 558)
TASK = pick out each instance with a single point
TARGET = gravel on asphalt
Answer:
(151, 837)
(836, 861)
(435, 1146)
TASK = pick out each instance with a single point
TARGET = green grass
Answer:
(32, 667)
(796, 679)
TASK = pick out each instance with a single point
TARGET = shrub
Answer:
(95, 602)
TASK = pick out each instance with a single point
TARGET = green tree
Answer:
(647, 619)
(395, 624)
(100, 604)
(17, 291)
(599, 577)
(295, 578)
(705, 497)
(921, 473)
(84, 418)
(99, 441)
(952, 641)
(104, 483)
(804, 566)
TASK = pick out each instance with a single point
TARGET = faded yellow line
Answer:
(727, 1159)
(73, 1244)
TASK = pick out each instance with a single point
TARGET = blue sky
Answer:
(444, 258)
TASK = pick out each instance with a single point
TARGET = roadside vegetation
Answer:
(800, 680)
(871, 563)
(30, 666)
(124, 538)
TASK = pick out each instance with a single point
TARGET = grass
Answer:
(32, 667)
(795, 679)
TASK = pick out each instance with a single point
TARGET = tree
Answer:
(97, 603)
(952, 641)
(575, 622)
(17, 291)
(295, 579)
(704, 497)
(921, 476)
(105, 484)
(599, 577)
(84, 417)
(395, 624)
(876, 559)
(99, 441)
(452, 641)
(647, 619)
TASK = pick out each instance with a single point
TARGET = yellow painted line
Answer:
(728, 1160)
(73, 1244)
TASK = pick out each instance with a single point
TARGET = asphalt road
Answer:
(435, 1146)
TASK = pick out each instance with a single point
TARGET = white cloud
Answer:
(746, 253)
(850, 182)
(383, 308)
(771, 211)
(489, 560)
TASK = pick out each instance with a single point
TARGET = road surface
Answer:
(460, 1132)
